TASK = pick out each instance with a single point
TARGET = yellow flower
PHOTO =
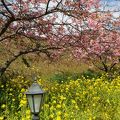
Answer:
(63, 105)
(28, 117)
(11, 89)
(66, 115)
(59, 113)
(28, 112)
(73, 101)
(51, 116)
(51, 108)
(58, 106)
(22, 90)
(76, 107)
(13, 99)
(23, 102)
(3, 106)
(62, 97)
(67, 88)
(1, 118)
(23, 119)
(90, 118)
(58, 118)
(77, 94)
(46, 105)
(12, 106)
(10, 94)
(94, 105)
(54, 102)
(2, 86)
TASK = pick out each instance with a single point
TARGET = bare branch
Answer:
(10, 36)
(59, 3)
(41, 50)
(111, 67)
(2, 13)
(5, 27)
(11, 13)
(47, 7)
(6, 37)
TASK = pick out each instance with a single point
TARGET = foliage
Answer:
(80, 99)
(89, 74)
(62, 77)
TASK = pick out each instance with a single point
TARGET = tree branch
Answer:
(112, 66)
(47, 6)
(8, 62)
(9, 11)
(10, 36)
(5, 27)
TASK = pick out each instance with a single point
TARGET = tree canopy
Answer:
(54, 26)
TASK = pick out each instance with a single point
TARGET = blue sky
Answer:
(111, 5)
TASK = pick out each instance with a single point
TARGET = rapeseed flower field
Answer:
(80, 99)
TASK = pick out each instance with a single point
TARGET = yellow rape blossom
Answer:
(3, 106)
(58, 106)
(1, 118)
(59, 113)
(58, 118)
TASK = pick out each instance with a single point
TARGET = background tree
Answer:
(26, 27)
(96, 39)
(37, 27)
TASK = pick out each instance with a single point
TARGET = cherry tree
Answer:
(26, 27)
(53, 26)
(37, 26)
(99, 41)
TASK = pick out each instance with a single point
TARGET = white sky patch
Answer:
(116, 14)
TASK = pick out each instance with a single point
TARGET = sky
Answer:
(112, 5)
